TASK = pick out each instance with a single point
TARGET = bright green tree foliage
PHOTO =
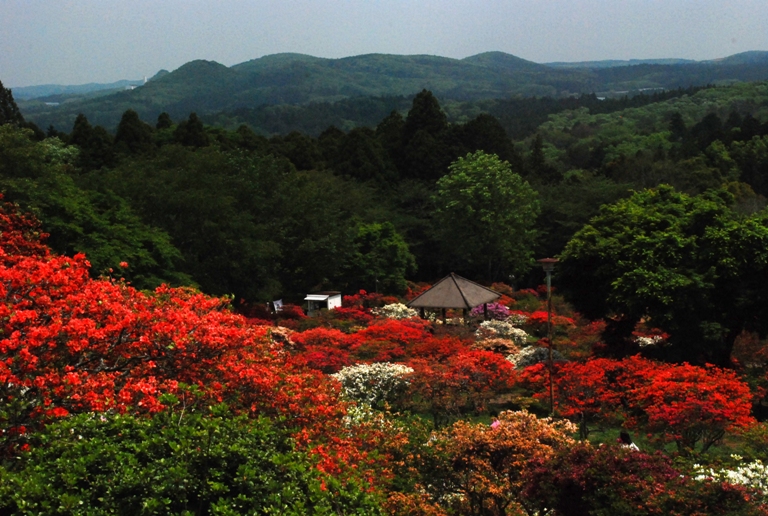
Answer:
(485, 214)
(688, 265)
(173, 463)
(39, 175)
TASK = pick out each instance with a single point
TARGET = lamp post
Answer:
(548, 264)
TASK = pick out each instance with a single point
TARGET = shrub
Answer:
(495, 311)
(171, 464)
(532, 355)
(374, 384)
(395, 311)
(583, 479)
(501, 329)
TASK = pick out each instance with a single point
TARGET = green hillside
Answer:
(208, 88)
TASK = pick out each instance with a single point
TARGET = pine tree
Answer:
(9, 111)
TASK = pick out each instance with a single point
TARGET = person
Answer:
(626, 441)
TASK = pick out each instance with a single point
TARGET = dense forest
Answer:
(261, 218)
(239, 213)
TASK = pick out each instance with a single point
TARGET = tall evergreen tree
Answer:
(96, 146)
(9, 111)
(133, 135)
(191, 132)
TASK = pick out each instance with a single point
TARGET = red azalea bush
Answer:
(69, 344)
(464, 383)
(677, 403)
(364, 300)
(328, 337)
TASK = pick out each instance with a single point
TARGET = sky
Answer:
(83, 41)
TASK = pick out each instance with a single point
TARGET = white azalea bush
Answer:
(374, 384)
(644, 342)
(395, 311)
(503, 330)
(531, 355)
(751, 474)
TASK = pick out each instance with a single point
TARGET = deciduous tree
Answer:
(486, 213)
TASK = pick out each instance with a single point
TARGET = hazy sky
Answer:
(81, 41)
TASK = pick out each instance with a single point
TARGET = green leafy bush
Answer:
(171, 464)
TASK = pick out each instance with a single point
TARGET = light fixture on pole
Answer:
(548, 264)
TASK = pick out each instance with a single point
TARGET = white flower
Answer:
(503, 329)
(532, 355)
(395, 311)
(648, 341)
(373, 384)
(752, 474)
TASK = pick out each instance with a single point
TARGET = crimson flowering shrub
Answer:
(462, 383)
(328, 337)
(677, 403)
(440, 348)
(416, 289)
(22, 234)
(536, 323)
(328, 360)
(366, 300)
(403, 331)
(71, 344)
(584, 479)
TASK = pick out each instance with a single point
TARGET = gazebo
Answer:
(454, 292)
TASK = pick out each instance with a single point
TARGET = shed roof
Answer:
(453, 291)
(322, 296)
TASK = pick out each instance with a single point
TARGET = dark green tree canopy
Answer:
(688, 265)
(133, 135)
(164, 121)
(9, 111)
(425, 115)
(191, 132)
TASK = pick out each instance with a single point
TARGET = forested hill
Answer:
(209, 88)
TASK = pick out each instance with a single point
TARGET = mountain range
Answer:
(217, 92)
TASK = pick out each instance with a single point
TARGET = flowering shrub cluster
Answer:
(676, 403)
(503, 329)
(531, 355)
(70, 344)
(517, 317)
(99, 354)
(751, 474)
(374, 384)
(644, 342)
(395, 311)
(495, 311)
(503, 346)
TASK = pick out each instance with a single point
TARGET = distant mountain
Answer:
(612, 63)
(751, 57)
(216, 91)
(47, 90)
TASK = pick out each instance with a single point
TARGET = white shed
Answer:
(320, 300)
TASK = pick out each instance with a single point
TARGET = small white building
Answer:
(319, 300)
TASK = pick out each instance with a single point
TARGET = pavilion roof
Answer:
(453, 291)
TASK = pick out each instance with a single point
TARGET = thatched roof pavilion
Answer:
(455, 292)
